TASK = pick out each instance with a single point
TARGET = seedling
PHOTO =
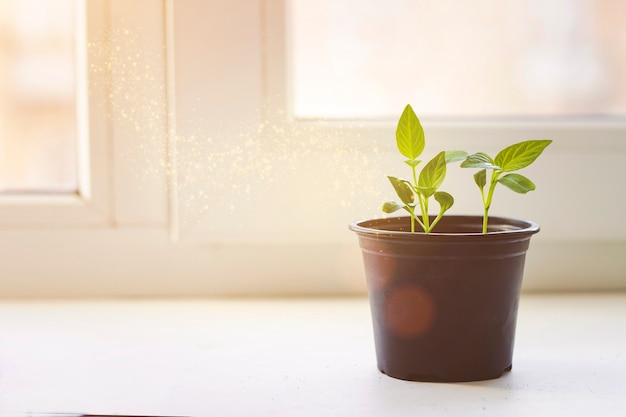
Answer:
(510, 159)
(415, 195)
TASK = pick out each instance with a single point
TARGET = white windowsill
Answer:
(291, 357)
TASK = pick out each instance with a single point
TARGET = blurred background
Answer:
(209, 148)
(37, 96)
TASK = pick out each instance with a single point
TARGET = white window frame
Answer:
(580, 144)
(91, 204)
(571, 135)
(87, 244)
(129, 238)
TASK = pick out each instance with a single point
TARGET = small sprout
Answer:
(415, 194)
(512, 158)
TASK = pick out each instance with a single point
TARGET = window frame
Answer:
(570, 240)
(130, 238)
(90, 205)
(572, 139)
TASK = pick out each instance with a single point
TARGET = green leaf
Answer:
(479, 160)
(520, 155)
(480, 178)
(409, 134)
(445, 201)
(454, 156)
(403, 189)
(391, 207)
(425, 191)
(518, 183)
(412, 162)
(433, 173)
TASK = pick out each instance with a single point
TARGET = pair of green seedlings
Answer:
(415, 195)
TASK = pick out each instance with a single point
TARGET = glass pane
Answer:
(38, 138)
(452, 58)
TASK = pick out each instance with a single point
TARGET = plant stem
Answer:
(411, 212)
(485, 219)
(434, 223)
(419, 222)
(487, 201)
(423, 202)
(414, 175)
(418, 197)
(425, 217)
(485, 210)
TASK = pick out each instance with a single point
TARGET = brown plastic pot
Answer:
(444, 304)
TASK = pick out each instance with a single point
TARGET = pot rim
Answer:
(501, 226)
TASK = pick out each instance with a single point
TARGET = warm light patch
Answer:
(409, 311)
(259, 163)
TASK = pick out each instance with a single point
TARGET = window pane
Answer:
(452, 58)
(38, 138)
